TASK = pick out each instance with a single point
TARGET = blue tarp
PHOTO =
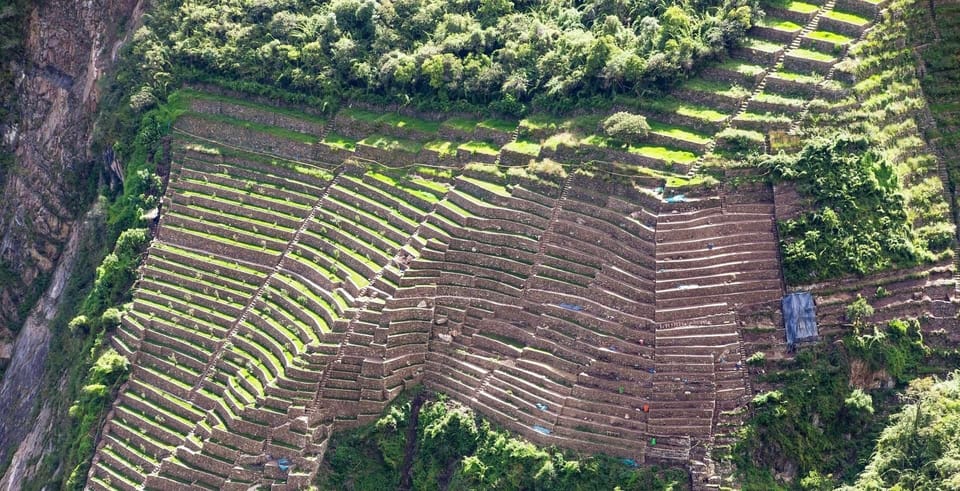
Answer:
(541, 429)
(283, 464)
(679, 198)
(570, 306)
(800, 317)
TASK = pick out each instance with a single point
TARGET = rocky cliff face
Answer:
(69, 44)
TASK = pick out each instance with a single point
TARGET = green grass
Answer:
(779, 99)
(405, 122)
(848, 18)
(263, 128)
(747, 69)
(811, 55)
(524, 147)
(670, 105)
(391, 143)
(664, 153)
(765, 117)
(780, 24)
(541, 122)
(830, 37)
(339, 141)
(391, 119)
(196, 94)
(725, 89)
(678, 133)
(794, 6)
(462, 124)
(360, 114)
(803, 78)
(481, 147)
(762, 45)
(498, 125)
(442, 147)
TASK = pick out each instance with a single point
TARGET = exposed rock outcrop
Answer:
(68, 46)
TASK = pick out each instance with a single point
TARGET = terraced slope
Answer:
(306, 270)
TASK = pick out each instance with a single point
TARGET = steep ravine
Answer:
(68, 48)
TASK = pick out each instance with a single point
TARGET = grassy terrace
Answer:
(803, 78)
(481, 147)
(793, 6)
(762, 45)
(830, 37)
(340, 141)
(779, 24)
(669, 105)
(309, 170)
(725, 89)
(190, 94)
(742, 67)
(678, 132)
(263, 128)
(847, 17)
(468, 125)
(391, 144)
(812, 55)
(393, 120)
(795, 103)
(525, 147)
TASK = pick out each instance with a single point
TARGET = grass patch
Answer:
(803, 78)
(830, 37)
(793, 6)
(670, 105)
(846, 17)
(525, 147)
(391, 143)
(779, 24)
(442, 147)
(678, 133)
(811, 55)
(746, 69)
(498, 125)
(461, 124)
(340, 141)
(262, 128)
(762, 45)
(733, 91)
(196, 94)
(664, 153)
(481, 147)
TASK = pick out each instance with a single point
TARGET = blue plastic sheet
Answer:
(800, 317)
(541, 429)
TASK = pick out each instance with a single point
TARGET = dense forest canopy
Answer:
(479, 51)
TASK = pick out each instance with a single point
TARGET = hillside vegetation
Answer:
(445, 445)
(480, 51)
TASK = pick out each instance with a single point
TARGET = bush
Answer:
(757, 358)
(626, 127)
(858, 310)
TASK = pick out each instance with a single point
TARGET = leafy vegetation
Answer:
(920, 448)
(493, 52)
(857, 221)
(457, 449)
(816, 429)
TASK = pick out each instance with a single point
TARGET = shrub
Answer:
(626, 127)
(858, 310)
(757, 358)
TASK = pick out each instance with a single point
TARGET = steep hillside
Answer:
(591, 255)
